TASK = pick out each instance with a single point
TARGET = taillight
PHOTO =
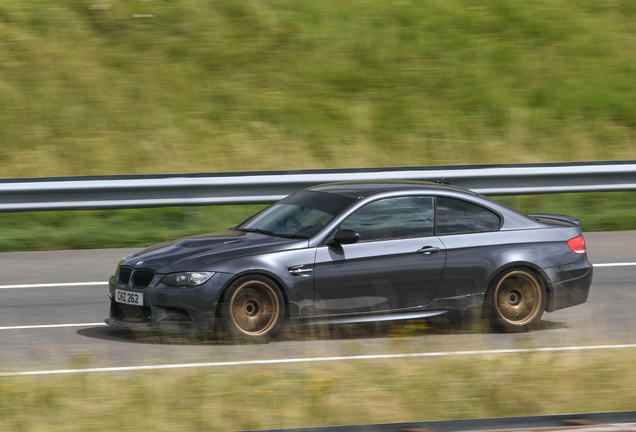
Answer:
(577, 244)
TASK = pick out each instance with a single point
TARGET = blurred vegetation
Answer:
(161, 86)
(603, 211)
(322, 394)
(158, 86)
(96, 229)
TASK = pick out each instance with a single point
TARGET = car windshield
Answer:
(300, 215)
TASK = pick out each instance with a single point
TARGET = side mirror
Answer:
(346, 236)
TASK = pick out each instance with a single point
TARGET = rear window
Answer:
(456, 216)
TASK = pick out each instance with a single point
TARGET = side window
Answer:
(456, 216)
(410, 216)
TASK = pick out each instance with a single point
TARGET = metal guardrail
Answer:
(110, 192)
(621, 421)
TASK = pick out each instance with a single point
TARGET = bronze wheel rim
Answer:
(254, 308)
(518, 298)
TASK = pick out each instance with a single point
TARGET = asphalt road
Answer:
(607, 318)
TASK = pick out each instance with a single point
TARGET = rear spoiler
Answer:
(556, 217)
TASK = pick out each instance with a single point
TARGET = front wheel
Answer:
(517, 299)
(253, 308)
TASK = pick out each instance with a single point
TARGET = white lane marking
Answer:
(316, 359)
(75, 284)
(52, 326)
(52, 285)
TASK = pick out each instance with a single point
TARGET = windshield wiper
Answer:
(258, 230)
(299, 236)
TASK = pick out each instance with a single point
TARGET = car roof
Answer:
(361, 189)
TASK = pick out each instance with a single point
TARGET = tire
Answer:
(516, 300)
(252, 308)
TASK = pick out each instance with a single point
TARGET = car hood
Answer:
(198, 252)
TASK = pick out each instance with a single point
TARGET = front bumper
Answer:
(168, 309)
(570, 284)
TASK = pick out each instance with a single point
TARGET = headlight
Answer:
(187, 278)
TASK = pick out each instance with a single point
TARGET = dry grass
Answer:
(322, 394)
(260, 85)
(269, 85)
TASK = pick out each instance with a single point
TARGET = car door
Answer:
(472, 239)
(396, 264)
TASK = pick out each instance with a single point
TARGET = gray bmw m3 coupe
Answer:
(357, 252)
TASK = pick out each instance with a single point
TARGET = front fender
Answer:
(297, 289)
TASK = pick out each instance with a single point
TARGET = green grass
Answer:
(357, 392)
(248, 85)
(138, 228)
(614, 211)
(98, 229)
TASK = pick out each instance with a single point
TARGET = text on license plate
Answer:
(129, 297)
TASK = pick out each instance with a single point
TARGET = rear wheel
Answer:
(517, 299)
(253, 308)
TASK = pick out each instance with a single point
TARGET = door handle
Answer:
(427, 250)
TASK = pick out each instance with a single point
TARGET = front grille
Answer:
(142, 278)
(130, 313)
(124, 275)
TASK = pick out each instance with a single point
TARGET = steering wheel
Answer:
(293, 219)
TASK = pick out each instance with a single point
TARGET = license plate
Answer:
(129, 298)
